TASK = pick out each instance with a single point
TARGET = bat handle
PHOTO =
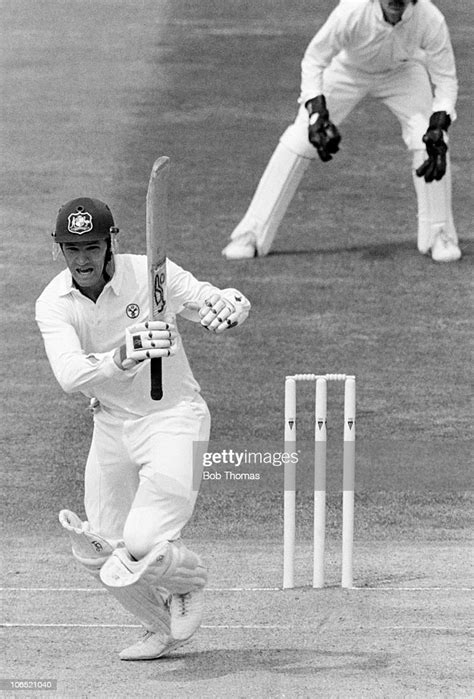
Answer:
(156, 378)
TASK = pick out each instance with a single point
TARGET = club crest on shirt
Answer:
(133, 310)
(79, 222)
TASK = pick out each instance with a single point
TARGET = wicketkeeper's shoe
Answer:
(186, 614)
(151, 647)
(445, 249)
(241, 248)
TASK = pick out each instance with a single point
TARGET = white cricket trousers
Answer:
(142, 475)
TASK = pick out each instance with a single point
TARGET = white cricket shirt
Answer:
(357, 33)
(80, 336)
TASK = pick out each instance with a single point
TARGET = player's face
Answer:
(394, 9)
(85, 260)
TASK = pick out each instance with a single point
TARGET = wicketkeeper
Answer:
(399, 52)
(140, 480)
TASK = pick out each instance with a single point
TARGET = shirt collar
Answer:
(117, 280)
(67, 286)
(405, 17)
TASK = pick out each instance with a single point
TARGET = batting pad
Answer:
(144, 603)
(90, 549)
(169, 565)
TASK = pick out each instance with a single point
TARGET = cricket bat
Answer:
(156, 225)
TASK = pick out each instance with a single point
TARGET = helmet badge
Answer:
(79, 222)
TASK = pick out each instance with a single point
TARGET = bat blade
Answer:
(156, 230)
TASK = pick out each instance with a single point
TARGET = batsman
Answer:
(141, 475)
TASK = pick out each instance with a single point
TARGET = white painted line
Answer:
(261, 627)
(243, 626)
(249, 589)
(101, 589)
(52, 589)
(242, 589)
(137, 626)
(467, 629)
(414, 589)
(71, 626)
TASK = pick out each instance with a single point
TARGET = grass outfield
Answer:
(91, 98)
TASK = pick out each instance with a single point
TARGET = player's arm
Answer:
(74, 369)
(327, 43)
(215, 309)
(441, 65)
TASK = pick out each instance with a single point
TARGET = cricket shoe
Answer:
(241, 248)
(186, 614)
(151, 647)
(445, 248)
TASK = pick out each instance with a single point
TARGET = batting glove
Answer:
(434, 166)
(322, 133)
(222, 311)
(155, 338)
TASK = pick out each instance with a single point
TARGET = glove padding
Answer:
(322, 133)
(221, 312)
(155, 338)
(434, 166)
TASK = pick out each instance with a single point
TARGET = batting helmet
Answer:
(83, 218)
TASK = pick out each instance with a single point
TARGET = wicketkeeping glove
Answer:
(434, 166)
(322, 133)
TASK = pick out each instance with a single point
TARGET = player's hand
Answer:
(155, 338)
(221, 312)
(322, 133)
(434, 167)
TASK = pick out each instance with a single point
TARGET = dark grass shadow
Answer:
(297, 662)
(374, 250)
